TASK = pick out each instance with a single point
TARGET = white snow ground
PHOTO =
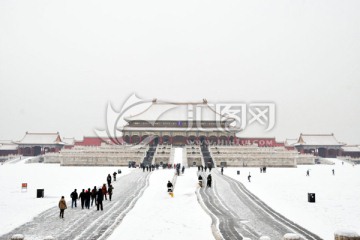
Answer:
(285, 190)
(157, 216)
(21, 206)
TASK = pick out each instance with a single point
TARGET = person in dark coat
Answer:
(74, 197)
(82, 198)
(183, 169)
(200, 180)
(87, 198)
(99, 199)
(108, 179)
(93, 195)
(104, 190)
(169, 186)
(249, 177)
(114, 176)
(222, 170)
(110, 191)
(209, 179)
(62, 206)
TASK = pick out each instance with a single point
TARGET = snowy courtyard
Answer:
(182, 217)
(286, 191)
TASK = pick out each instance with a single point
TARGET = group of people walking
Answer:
(202, 168)
(208, 180)
(149, 168)
(90, 196)
(177, 167)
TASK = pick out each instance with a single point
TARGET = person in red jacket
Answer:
(104, 191)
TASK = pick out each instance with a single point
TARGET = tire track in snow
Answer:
(242, 214)
(87, 224)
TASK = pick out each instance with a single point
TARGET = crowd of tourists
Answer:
(88, 197)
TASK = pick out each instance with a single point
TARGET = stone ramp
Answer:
(87, 223)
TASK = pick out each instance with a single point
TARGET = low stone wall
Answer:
(92, 160)
(291, 236)
(305, 159)
(324, 161)
(234, 162)
(97, 161)
(196, 159)
(163, 159)
(52, 158)
(22, 237)
(346, 235)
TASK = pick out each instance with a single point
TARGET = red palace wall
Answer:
(89, 141)
(95, 141)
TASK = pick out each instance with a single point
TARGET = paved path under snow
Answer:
(84, 223)
(239, 213)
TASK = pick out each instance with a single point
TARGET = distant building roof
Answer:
(350, 148)
(8, 145)
(41, 138)
(159, 111)
(170, 129)
(317, 140)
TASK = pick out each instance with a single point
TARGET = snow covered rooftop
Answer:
(349, 148)
(8, 146)
(195, 128)
(318, 139)
(159, 111)
(41, 138)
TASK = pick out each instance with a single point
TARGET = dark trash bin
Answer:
(40, 193)
(238, 172)
(311, 197)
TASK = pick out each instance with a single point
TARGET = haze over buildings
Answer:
(62, 62)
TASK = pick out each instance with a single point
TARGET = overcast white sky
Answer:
(61, 62)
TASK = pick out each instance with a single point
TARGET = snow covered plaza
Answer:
(142, 209)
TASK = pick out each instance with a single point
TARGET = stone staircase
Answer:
(149, 155)
(208, 161)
